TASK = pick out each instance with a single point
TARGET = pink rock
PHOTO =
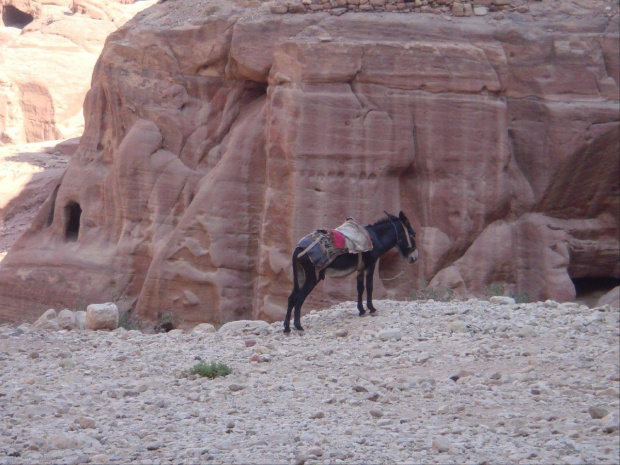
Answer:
(48, 62)
(211, 148)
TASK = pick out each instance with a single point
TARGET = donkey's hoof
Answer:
(287, 329)
(362, 312)
(298, 328)
(373, 313)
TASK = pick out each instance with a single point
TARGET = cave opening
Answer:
(589, 290)
(73, 213)
(14, 17)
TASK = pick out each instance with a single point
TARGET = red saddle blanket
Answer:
(339, 240)
(323, 246)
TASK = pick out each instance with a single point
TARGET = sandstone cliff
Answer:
(217, 135)
(47, 53)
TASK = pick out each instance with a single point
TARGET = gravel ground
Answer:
(422, 382)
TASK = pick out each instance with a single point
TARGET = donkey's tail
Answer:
(299, 274)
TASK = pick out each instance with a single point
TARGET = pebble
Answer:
(350, 390)
(441, 444)
(597, 412)
(391, 334)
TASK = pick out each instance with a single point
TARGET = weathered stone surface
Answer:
(66, 319)
(204, 328)
(28, 175)
(502, 300)
(243, 326)
(597, 412)
(390, 334)
(47, 54)
(102, 316)
(47, 320)
(213, 142)
(611, 298)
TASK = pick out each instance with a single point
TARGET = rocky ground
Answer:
(423, 382)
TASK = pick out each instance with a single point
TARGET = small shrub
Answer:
(520, 298)
(212, 370)
(129, 321)
(210, 10)
(494, 289)
(436, 293)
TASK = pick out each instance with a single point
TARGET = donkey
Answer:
(385, 234)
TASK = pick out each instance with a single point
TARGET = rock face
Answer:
(47, 54)
(28, 175)
(216, 136)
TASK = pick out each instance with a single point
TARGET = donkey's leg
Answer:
(289, 309)
(360, 292)
(305, 290)
(297, 269)
(369, 284)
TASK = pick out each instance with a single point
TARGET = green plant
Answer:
(494, 289)
(520, 298)
(129, 321)
(435, 293)
(501, 288)
(212, 370)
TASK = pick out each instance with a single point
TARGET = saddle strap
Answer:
(360, 262)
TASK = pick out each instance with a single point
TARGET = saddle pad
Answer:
(340, 241)
(357, 238)
(321, 247)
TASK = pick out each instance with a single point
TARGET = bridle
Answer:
(409, 246)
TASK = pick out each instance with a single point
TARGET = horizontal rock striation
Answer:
(216, 136)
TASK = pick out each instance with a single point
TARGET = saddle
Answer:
(324, 245)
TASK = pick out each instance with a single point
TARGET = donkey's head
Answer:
(405, 241)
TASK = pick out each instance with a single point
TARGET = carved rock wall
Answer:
(217, 136)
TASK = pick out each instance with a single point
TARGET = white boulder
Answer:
(102, 316)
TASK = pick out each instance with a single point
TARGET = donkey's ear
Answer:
(403, 218)
(389, 215)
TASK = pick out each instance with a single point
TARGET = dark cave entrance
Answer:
(13, 17)
(73, 213)
(589, 290)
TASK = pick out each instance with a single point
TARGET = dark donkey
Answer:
(385, 234)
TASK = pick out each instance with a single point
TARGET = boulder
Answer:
(66, 319)
(47, 321)
(203, 328)
(102, 316)
(80, 319)
(611, 298)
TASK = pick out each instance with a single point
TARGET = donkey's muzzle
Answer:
(413, 256)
